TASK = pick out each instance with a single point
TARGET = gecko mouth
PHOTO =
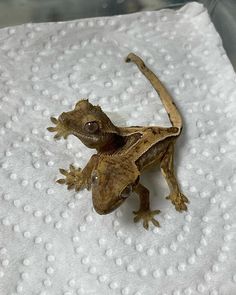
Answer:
(122, 197)
(73, 131)
(104, 211)
(85, 136)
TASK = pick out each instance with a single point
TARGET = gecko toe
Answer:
(137, 218)
(51, 129)
(155, 212)
(146, 216)
(179, 201)
(54, 120)
(155, 222)
(61, 181)
(57, 136)
(63, 171)
(72, 167)
(145, 224)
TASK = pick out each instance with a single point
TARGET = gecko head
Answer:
(112, 183)
(89, 123)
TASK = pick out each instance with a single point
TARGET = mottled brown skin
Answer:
(123, 153)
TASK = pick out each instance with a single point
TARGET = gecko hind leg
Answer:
(167, 168)
(144, 213)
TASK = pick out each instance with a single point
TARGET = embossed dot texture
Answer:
(51, 239)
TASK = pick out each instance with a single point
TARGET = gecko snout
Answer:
(103, 208)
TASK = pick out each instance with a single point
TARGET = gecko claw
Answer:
(73, 178)
(155, 222)
(54, 120)
(147, 216)
(51, 129)
(60, 129)
(63, 171)
(179, 201)
(61, 181)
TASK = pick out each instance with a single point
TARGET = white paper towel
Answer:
(52, 242)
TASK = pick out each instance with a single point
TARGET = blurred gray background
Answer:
(13, 12)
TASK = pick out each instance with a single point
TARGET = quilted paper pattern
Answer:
(51, 240)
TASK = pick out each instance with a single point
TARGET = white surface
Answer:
(51, 240)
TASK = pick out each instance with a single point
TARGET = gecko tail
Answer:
(166, 99)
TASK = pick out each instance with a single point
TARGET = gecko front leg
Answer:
(59, 128)
(78, 179)
(73, 178)
(144, 213)
(167, 168)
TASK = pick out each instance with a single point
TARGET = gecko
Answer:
(122, 154)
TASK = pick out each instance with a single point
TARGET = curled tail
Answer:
(166, 99)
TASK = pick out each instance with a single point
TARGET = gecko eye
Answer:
(126, 192)
(94, 178)
(91, 127)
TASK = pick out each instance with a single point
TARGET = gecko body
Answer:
(123, 153)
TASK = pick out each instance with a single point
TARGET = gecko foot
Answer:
(73, 178)
(60, 129)
(147, 216)
(179, 201)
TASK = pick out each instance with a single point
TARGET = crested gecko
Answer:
(123, 153)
